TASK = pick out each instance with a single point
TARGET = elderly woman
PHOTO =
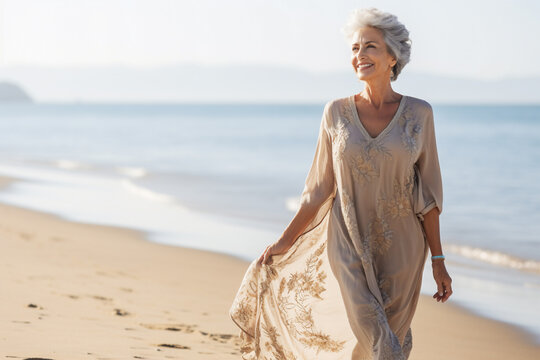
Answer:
(343, 280)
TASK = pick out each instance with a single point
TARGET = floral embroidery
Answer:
(247, 346)
(273, 345)
(346, 112)
(407, 344)
(384, 347)
(305, 285)
(244, 312)
(379, 235)
(349, 215)
(411, 128)
(364, 162)
(293, 299)
(398, 203)
(339, 139)
(363, 169)
(384, 286)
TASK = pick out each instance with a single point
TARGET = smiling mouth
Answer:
(364, 66)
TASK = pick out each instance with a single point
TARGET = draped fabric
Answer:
(349, 286)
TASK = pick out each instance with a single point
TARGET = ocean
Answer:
(227, 178)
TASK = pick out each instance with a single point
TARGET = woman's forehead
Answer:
(366, 35)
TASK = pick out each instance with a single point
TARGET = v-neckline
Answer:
(386, 129)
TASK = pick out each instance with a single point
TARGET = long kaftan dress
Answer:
(349, 286)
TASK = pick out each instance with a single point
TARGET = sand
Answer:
(79, 291)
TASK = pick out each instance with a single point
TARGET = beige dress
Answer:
(349, 286)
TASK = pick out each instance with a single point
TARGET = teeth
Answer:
(364, 66)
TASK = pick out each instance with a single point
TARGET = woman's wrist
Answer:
(437, 259)
(286, 240)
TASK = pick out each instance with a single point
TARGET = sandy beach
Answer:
(80, 291)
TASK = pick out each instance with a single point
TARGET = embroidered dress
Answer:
(349, 286)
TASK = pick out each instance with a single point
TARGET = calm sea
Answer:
(227, 178)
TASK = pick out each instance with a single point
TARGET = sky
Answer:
(477, 39)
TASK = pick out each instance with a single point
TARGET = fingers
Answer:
(446, 286)
(264, 257)
(261, 258)
(440, 288)
(448, 290)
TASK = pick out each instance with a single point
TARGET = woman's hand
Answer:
(279, 247)
(443, 280)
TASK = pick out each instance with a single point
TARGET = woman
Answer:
(355, 250)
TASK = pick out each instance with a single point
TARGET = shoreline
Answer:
(75, 290)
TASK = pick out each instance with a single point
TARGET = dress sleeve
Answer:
(428, 180)
(320, 184)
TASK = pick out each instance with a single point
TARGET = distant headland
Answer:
(10, 92)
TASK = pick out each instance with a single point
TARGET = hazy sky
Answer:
(483, 39)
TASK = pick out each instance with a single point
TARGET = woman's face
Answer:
(370, 57)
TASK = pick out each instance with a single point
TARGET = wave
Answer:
(68, 164)
(494, 257)
(146, 193)
(132, 172)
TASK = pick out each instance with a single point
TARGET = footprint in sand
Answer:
(120, 312)
(95, 297)
(27, 236)
(185, 328)
(102, 298)
(222, 338)
(34, 306)
(175, 346)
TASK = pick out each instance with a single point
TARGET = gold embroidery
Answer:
(365, 161)
(294, 297)
(379, 235)
(305, 285)
(273, 345)
(363, 168)
(398, 203)
(243, 312)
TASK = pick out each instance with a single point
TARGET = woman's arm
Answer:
(300, 221)
(443, 280)
(319, 186)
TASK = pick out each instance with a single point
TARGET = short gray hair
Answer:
(396, 35)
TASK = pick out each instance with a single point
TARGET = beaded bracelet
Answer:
(437, 257)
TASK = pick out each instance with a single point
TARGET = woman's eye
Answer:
(356, 47)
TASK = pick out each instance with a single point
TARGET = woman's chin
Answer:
(365, 77)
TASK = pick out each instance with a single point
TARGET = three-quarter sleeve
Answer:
(428, 180)
(320, 183)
